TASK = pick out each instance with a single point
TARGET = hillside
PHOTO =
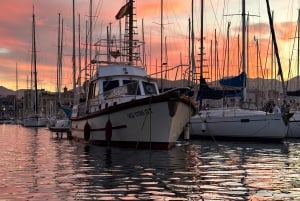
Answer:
(252, 84)
(5, 92)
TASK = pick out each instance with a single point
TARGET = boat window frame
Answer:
(94, 89)
(149, 91)
(110, 87)
(132, 86)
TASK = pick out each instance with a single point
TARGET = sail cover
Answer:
(293, 93)
(205, 92)
(236, 82)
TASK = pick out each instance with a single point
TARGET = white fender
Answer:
(203, 127)
(186, 132)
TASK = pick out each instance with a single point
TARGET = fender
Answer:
(87, 131)
(108, 131)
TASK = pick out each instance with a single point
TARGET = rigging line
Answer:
(215, 15)
(268, 49)
(98, 10)
(292, 52)
(175, 32)
(260, 63)
(97, 13)
(290, 18)
(150, 122)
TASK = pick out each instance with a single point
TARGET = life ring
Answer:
(87, 131)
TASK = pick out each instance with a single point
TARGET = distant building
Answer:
(67, 97)
(48, 102)
(7, 107)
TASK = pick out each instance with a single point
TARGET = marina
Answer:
(38, 166)
(206, 122)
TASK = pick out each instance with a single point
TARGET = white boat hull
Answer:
(61, 125)
(294, 126)
(144, 125)
(238, 123)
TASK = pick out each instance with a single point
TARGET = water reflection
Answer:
(37, 166)
(237, 170)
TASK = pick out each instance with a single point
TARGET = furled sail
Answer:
(205, 92)
(236, 82)
(293, 93)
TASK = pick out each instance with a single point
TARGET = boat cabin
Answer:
(115, 84)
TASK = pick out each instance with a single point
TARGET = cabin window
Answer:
(94, 90)
(132, 87)
(149, 88)
(109, 85)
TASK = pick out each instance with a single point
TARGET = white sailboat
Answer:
(236, 122)
(123, 106)
(294, 121)
(59, 123)
(35, 119)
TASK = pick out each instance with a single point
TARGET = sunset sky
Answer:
(16, 28)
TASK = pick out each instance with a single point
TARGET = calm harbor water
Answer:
(36, 165)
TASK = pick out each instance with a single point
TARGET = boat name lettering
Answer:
(139, 113)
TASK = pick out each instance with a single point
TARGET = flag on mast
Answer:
(124, 10)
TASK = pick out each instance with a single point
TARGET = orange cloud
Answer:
(15, 40)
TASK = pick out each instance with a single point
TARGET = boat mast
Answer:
(193, 63)
(161, 44)
(201, 42)
(276, 49)
(34, 64)
(91, 36)
(298, 49)
(216, 56)
(244, 47)
(130, 31)
(79, 54)
(228, 47)
(201, 48)
(17, 88)
(58, 63)
(73, 56)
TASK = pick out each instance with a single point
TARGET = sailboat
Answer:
(294, 121)
(235, 122)
(35, 119)
(60, 123)
(123, 106)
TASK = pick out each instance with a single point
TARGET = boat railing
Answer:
(116, 51)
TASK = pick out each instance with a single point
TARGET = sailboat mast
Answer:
(34, 64)
(244, 47)
(73, 55)
(276, 49)
(17, 88)
(60, 58)
(79, 53)
(161, 43)
(201, 41)
(91, 27)
(193, 63)
(201, 50)
(58, 61)
(298, 49)
(91, 32)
